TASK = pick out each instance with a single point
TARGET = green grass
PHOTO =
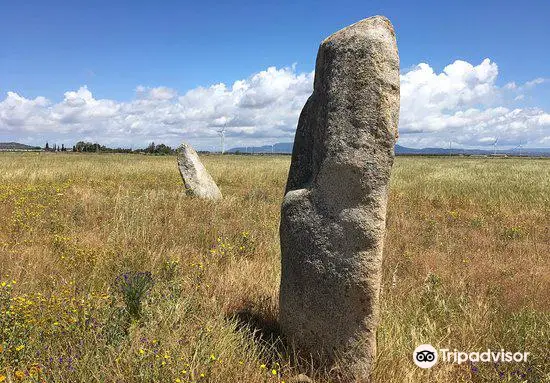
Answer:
(466, 266)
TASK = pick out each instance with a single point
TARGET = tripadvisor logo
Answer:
(426, 356)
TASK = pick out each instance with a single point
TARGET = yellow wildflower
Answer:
(20, 347)
(262, 366)
(2, 378)
(35, 369)
(19, 374)
(274, 372)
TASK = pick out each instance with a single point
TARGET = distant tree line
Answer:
(55, 148)
(89, 147)
(158, 149)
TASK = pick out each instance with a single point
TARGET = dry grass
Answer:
(466, 267)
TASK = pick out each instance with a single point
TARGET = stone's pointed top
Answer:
(184, 146)
(362, 27)
(195, 177)
(363, 53)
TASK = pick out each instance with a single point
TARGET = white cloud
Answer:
(159, 93)
(262, 108)
(511, 85)
(535, 82)
(462, 104)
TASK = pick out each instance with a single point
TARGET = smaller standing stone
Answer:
(196, 179)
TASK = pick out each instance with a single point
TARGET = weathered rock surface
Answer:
(195, 177)
(334, 211)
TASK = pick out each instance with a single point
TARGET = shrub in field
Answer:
(514, 232)
(133, 286)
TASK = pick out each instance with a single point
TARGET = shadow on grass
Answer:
(264, 329)
(259, 319)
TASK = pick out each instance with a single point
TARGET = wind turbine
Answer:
(520, 147)
(495, 146)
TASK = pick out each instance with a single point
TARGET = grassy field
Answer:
(110, 273)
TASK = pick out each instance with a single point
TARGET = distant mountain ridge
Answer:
(532, 152)
(17, 146)
(286, 148)
(280, 147)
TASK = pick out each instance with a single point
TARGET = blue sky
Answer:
(90, 69)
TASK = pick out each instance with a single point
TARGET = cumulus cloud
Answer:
(16, 112)
(158, 93)
(261, 108)
(462, 104)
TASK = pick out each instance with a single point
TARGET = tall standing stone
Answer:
(334, 211)
(196, 179)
